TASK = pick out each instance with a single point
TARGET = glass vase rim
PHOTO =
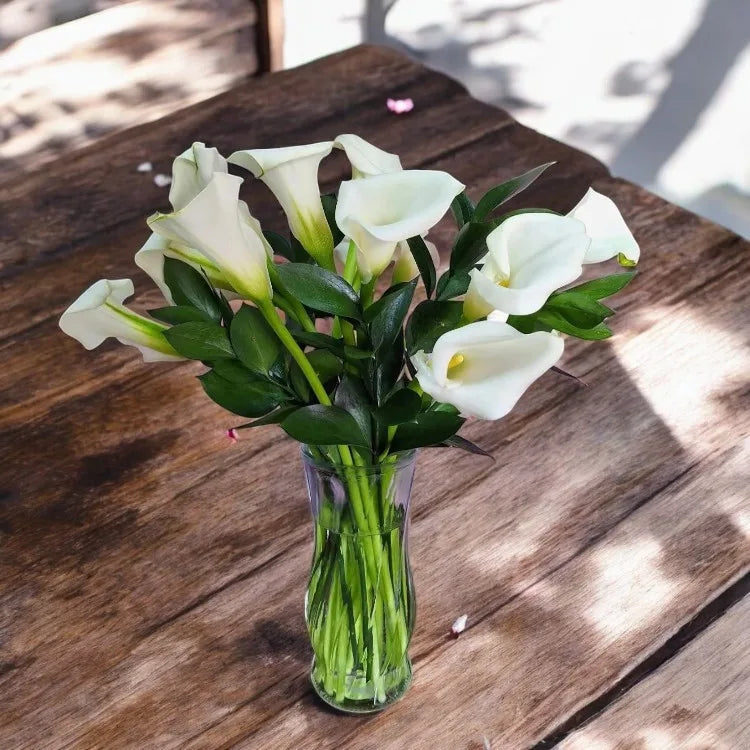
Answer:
(403, 459)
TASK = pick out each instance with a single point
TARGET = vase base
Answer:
(359, 696)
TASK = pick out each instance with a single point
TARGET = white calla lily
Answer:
(150, 259)
(192, 170)
(530, 256)
(607, 229)
(292, 176)
(484, 368)
(405, 268)
(99, 314)
(379, 212)
(215, 224)
(366, 160)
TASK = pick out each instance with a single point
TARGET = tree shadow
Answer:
(697, 71)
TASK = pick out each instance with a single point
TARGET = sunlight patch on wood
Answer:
(630, 590)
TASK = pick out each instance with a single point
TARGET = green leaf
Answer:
(274, 417)
(352, 397)
(227, 314)
(320, 289)
(452, 285)
(428, 428)
(456, 441)
(323, 425)
(203, 341)
(386, 316)
(176, 314)
(253, 399)
(189, 287)
(424, 262)
(469, 247)
(329, 209)
(505, 191)
(430, 320)
(279, 245)
(578, 309)
(462, 209)
(337, 346)
(325, 364)
(554, 320)
(253, 340)
(234, 371)
(402, 406)
(625, 262)
(387, 369)
(603, 287)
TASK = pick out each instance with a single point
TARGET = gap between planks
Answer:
(711, 612)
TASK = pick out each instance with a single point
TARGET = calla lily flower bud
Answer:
(292, 176)
(99, 314)
(215, 224)
(379, 212)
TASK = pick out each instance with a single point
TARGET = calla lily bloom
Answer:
(405, 268)
(605, 226)
(99, 314)
(192, 170)
(215, 225)
(366, 160)
(292, 176)
(484, 368)
(530, 256)
(150, 258)
(379, 212)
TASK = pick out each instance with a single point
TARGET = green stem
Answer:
(367, 292)
(286, 338)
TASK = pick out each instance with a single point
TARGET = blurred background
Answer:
(657, 89)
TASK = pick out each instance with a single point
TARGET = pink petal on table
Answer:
(459, 625)
(232, 435)
(400, 106)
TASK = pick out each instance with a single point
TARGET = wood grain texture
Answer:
(153, 574)
(67, 85)
(697, 701)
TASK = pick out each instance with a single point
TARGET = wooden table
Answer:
(153, 573)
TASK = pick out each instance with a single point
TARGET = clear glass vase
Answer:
(359, 605)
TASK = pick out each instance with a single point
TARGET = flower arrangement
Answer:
(303, 331)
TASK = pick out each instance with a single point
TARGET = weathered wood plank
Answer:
(151, 538)
(563, 639)
(133, 57)
(515, 529)
(698, 699)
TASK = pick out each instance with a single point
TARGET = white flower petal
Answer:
(192, 171)
(530, 256)
(292, 176)
(497, 364)
(99, 314)
(150, 259)
(609, 233)
(366, 159)
(213, 223)
(381, 211)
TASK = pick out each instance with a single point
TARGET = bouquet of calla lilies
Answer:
(310, 347)
(316, 330)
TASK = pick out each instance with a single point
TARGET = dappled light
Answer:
(695, 366)
(629, 588)
(125, 65)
